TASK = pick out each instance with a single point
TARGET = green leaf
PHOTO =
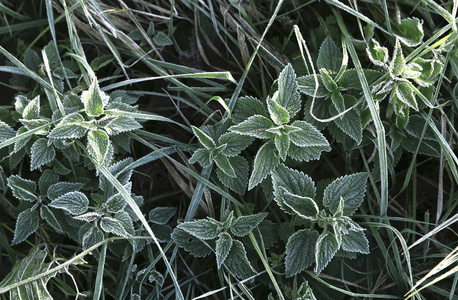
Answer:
(338, 101)
(98, 144)
(300, 251)
(203, 138)
(41, 153)
(304, 207)
(115, 203)
(161, 39)
(254, 126)
(246, 107)
(48, 215)
(328, 82)
(430, 71)
(288, 96)
(22, 142)
(234, 142)
(89, 217)
(26, 224)
(378, 55)
(238, 183)
(35, 123)
(32, 110)
(293, 181)
(151, 29)
(350, 123)
(307, 86)
(351, 188)
(243, 225)
(329, 57)
(121, 124)
(225, 165)
(326, 247)
(112, 225)
(20, 102)
(412, 70)
(161, 215)
(6, 132)
(126, 222)
(47, 178)
(404, 92)
(23, 189)
(94, 100)
(190, 243)
(202, 229)
(355, 241)
(203, 156)
(237, 261)
(409, 32)
(71, 127)
(265, 162)
(278, 114)
(58, 189)
(307, 136)
(350, 79)
(92, 237)
(398, 64)
(76, 203)
(282, 144)
(223, 247)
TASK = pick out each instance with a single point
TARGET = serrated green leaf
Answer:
(329, 57)
(6, 132)
(112, 225)
(254, 126)
(225, 165)
(223, 247)
(409, 31)
(35, 123)
(300, 251)
(48, 215)
(41, 153)
(92, 237)
(307, 86)
(93, 100)
(115, 203)
(350, 123)
(190, 243)
(402, 114)
(295, 182)
(26, 224)
(338, 101)
(304, 207)
(203, 156)
(277, 113)
(47, 179)
(355, 241)
(161, 215)
(325, 249)
(238, 183)
(58, 189)
(429, 74)
(351, 188)
(404, 92)
(76, 203)
(71, 127)
(23, 189)
(121, 124)
(307, 136)
(243, 225)
(20, 102)
(161, 39)
(265, 162)
(202, 229)
(398, 63)
(350, 79)
(204, 138)
(282, 144)
(328, 82)
(412, 70)
(126, 222)
(378, 55)
(98, 145)
(32, 110)
(234, 142)
(288, 96)
(89, 216)
(237, 261)
(246, 107)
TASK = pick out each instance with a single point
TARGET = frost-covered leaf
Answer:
(307, 85)
(237, 261)
(300, 251)
(404, 92)
(190, 243)
(328, 81)
(203, 156)
(26, 224)
(94, 100)
(329, 57)
(76, 203)
(23, 189)
(293, 181)
(204, 138)
(338, 101)
(277, 113)
(234, 142)
(430, 71)
(282, 143)
(409, 31)
(48, 215)
(288, 96)
(350, 79)
(412, 70)
(161, 215)
(225, 165)
(115, 203)
(378, 55)
(326, 247)
(307, 136)
(161, 39)
(71, 127)
(265, 162)
(223, 246)
(355, 241)
(398, 63)
(202, 229)
(304, 207)
(89, 216)
(112, 225)
(351, 188)
(6, 132)
(254, 126)
(20, 102)
(350, 123)
(243, 225)
(98, 144)
(32, 110)
(121, 124)
(246, 107)
(58, 189)
(126, 222)
(238, 183)
(44, 124)
(47, 178)
(41, 153)
(92, 236)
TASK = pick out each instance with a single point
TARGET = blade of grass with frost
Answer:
(24, 135)
(54, 102)
(381, 142)
(12, 13)
(99, 279)
(22, 26)
(442, 226)
(143, 116)
(443, 12)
